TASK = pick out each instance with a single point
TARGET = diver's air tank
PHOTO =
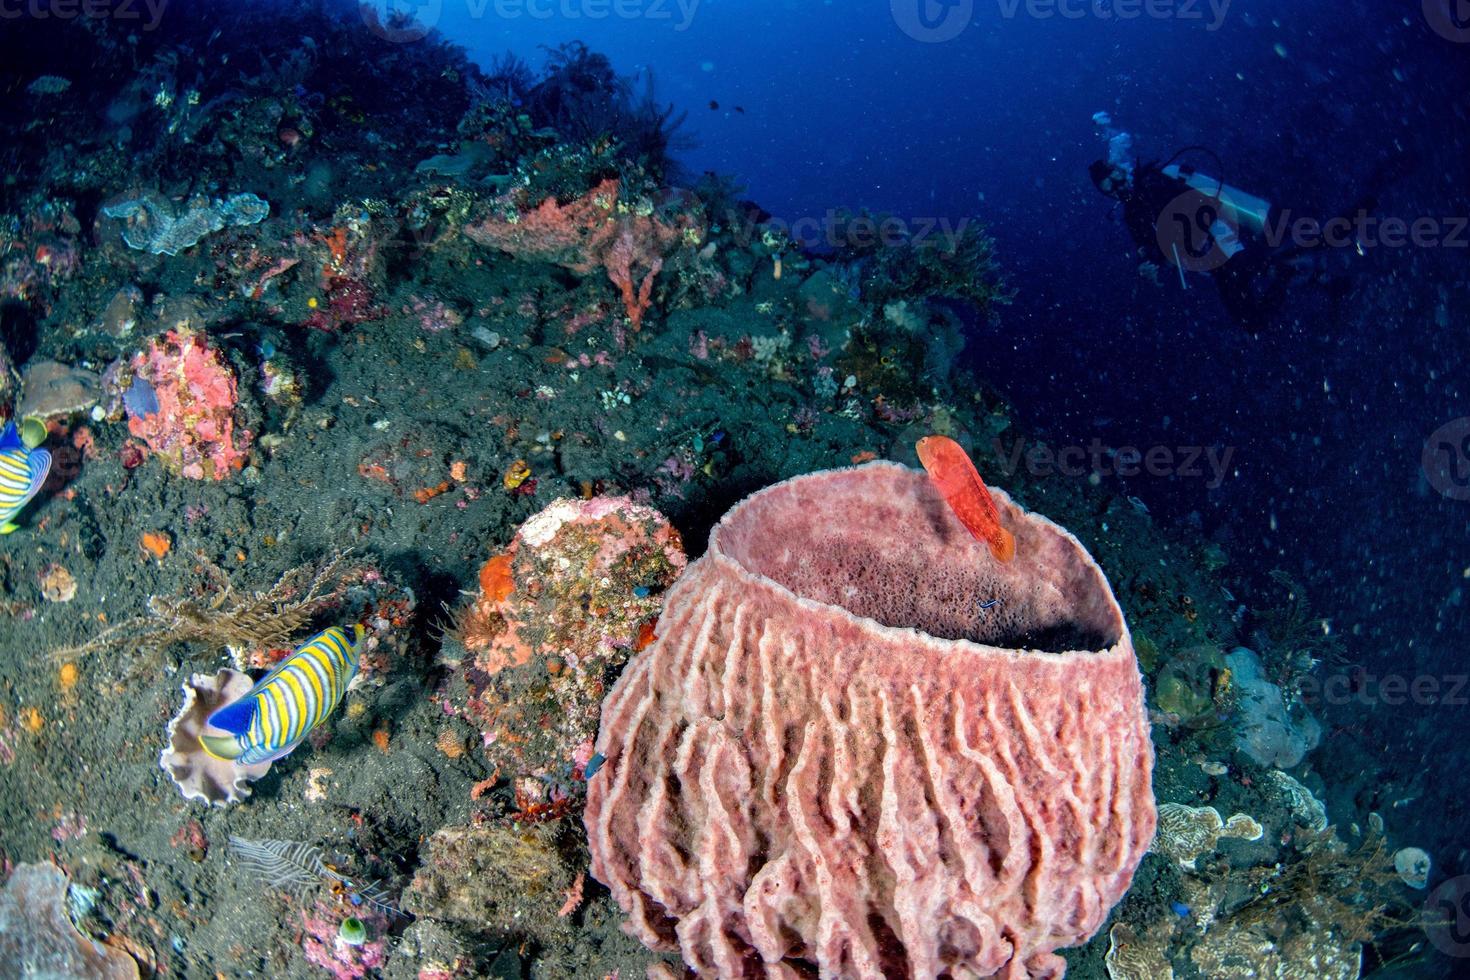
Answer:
(1240, 208)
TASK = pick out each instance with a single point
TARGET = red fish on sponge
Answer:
(957, 481)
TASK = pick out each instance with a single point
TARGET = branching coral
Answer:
(1292, 634)
(217, 615)
(1355, 892)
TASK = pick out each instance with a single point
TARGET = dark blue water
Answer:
(1316, 106)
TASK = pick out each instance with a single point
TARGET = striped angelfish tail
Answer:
(304, 690)
(21, 475)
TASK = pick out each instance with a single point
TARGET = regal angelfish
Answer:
(23, 469)
(272, 718)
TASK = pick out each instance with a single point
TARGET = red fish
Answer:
(960, 485)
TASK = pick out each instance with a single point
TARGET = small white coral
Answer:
(1186, 832)
(199, 775)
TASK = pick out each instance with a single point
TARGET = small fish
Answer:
(593, 764)
(713, 104)
(1180, 909)
(955, 478)
(272, 718)
(22, 471)
(641, 591)
(990, 605)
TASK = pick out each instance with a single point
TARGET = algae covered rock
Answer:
(1189, 684)
(557, 616)
(494, 879)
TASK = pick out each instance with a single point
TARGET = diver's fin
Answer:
(224, 747)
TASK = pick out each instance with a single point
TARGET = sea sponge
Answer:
(183, 405)
(199, 775)
(842, 756)
(38, 939)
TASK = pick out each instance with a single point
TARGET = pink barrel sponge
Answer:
(843, 758)
(192, 428)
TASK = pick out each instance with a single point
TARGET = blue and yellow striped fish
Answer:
(22, 471)
(272, 718)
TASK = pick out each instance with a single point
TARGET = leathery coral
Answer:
(192, 426)
(840, 757)
(198, 775)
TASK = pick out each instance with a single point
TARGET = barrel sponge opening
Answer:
(887, 547)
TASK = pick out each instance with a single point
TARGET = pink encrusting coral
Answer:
(843, 757)
(192, 427)
(629, 242)
(322, 942)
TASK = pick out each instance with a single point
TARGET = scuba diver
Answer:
(1198, 223)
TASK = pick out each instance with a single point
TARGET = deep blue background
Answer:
(1327, 414)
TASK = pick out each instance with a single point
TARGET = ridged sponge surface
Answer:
(843, 758)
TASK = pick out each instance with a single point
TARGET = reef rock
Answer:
(183, 404)
(54, 390)
(199, 775)
(498, 879)
(840, 756)
(1269, 730)
(38, 939)
(557, 616)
